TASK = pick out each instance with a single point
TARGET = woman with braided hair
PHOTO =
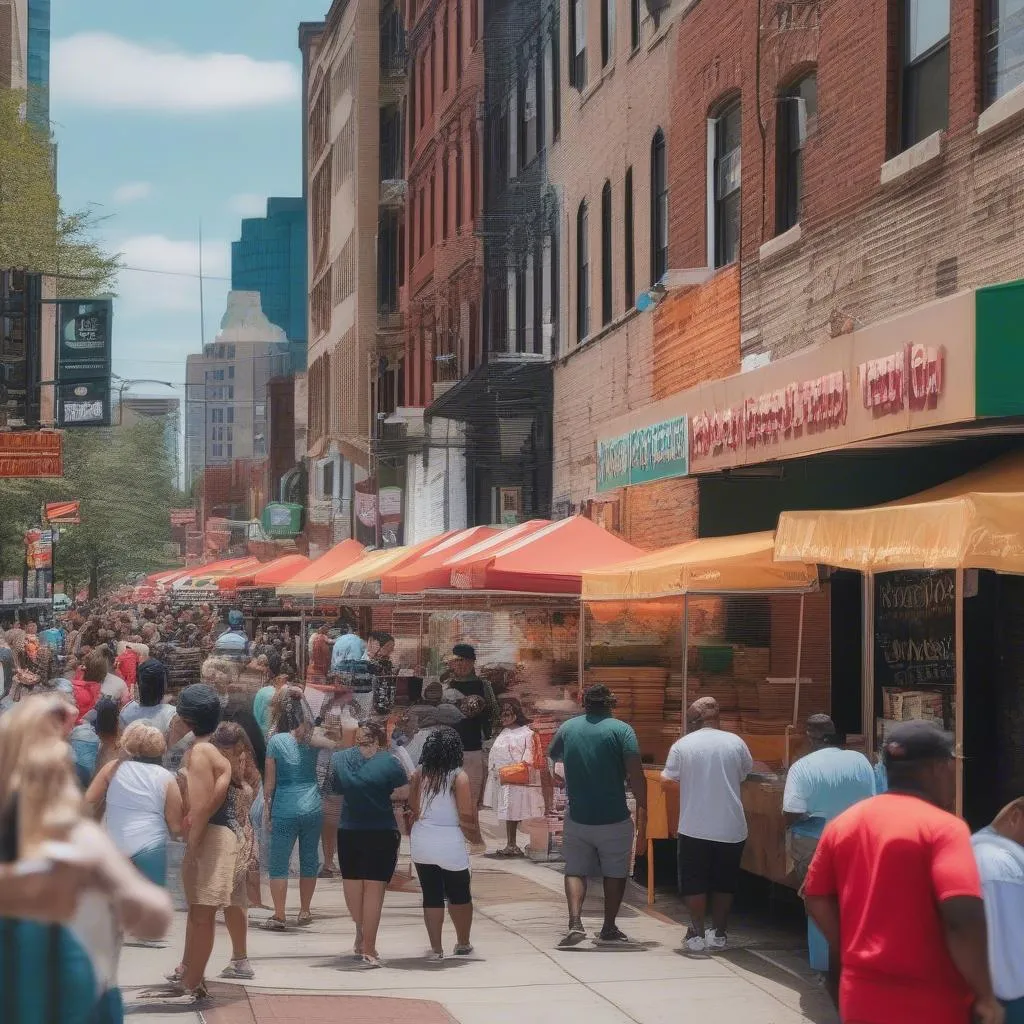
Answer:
(446, 820)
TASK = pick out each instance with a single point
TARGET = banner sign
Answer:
(656, 452)
(31, 453)
(183, 517)
(390, 509)
(83, 362)
(63, 513)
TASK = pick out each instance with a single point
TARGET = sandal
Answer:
(304, 919)
(274, 924)
(506, 851)
(371, 962)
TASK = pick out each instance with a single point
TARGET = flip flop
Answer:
(274, 924)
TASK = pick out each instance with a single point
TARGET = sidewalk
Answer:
(516, 973)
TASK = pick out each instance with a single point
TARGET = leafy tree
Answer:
(35, 233)
(123, 478)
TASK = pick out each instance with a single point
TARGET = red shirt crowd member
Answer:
(894, 888)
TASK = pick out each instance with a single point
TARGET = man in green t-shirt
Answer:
(599, 754)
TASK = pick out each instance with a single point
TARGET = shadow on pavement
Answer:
(815, 1003)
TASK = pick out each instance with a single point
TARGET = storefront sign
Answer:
(31, 453)
(183, 517)
(913, 378)
(656, 452)
(83, 362)
(909, 373)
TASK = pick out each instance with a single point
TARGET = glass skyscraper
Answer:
(39, 64)
(270, 258)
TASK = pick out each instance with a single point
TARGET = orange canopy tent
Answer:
(205, 575)
(340, 557)
(165, 577)
(280, 570)
(430, 571)
(550, 558)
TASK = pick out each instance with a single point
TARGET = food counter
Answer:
(765, 852)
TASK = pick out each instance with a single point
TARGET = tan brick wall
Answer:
(660, 514)
(605, 130)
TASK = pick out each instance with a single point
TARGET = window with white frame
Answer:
(1003, 47)
(724, 175)
(924, 108)
(582, 274)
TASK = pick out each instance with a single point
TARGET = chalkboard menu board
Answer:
(915, 629)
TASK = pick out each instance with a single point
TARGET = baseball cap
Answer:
(703, 709)
(467, 651)
(911, 742)
(236, 618)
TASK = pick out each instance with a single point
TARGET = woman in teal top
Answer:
(295, 812)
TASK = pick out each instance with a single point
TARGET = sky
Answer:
(166, 116)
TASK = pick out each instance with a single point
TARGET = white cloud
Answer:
(248, 204)
(165, 277)
(132, 192)
(97, 69)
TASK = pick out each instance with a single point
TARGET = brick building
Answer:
(354, 73)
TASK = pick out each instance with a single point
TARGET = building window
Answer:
(925, 108)
(659, 208)
(1003, 47)
(582, 275)
(527, 117)
(458, 186)
(629, 256)
(445, 186)
(578, 43)
(433, 208)
(556, 84)
(216, 415)
(795, 120)
(634, 24)
(444, 50)
(606, 254)
(607, 31)
(724, 167)
(474, 165)
(458, 39)
(421, 227)
(231, 373)
(433, 63)
(231, 414)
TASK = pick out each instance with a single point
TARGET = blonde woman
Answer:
(143, 800)
(64, 972)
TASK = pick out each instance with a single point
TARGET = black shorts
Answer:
(439, 885)
(706, 866)
(369, 856)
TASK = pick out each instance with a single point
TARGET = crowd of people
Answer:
(257, 772)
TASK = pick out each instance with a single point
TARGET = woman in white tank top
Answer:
(143, 801)
(445, 812)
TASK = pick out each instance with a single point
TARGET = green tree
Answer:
(35, 233)
(123, 478)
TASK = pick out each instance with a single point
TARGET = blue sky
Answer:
(165, 115)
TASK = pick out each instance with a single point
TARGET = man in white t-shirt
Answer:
(709, 766)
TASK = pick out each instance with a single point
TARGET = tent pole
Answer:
(686, 660)
(799, 652)
(300, 654)
(867, 695)
(581, 666)
(958, 691)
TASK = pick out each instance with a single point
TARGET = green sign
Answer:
(657, 452)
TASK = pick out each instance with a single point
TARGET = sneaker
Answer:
(613, 937)
(466, 950)
(240, 970)
(715, 940)
(573, 937)
(433, 957)
(694, 943)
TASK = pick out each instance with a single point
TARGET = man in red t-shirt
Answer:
(894, 887)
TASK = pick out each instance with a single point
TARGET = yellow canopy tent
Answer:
(745, 562)
(372, 566)
(973, 522)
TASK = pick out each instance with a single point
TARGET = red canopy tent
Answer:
(339, 557)
(280, 570)
(548, 559)
(429, 572)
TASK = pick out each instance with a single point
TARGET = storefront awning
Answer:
(371, 567)
(201, 576)
(973, 522)
(431, 572)
(280, 570)
(745, 562)
(340, 557)
(541, 557)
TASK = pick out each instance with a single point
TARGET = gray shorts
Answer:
(597, 851)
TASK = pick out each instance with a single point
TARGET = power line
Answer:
(172, 273)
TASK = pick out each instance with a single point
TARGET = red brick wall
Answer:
(660, 514)
(697, 335)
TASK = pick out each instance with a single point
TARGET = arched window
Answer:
(582, 274)
(606, 254)
(659, 208)
(629, 254)
(795, 119)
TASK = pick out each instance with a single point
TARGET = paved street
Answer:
(515, 974)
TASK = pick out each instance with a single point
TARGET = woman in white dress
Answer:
(517, 743)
